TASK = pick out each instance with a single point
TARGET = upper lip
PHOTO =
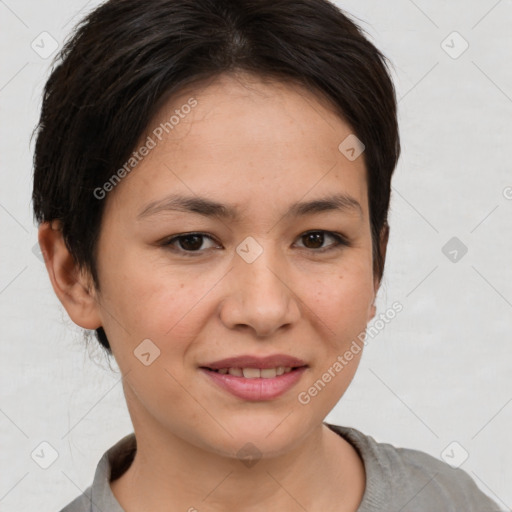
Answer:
(248, 361)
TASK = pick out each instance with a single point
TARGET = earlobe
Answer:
(373, 311)
(384, 237)
(73, 288)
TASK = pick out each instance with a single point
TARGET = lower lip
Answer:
(258, 389)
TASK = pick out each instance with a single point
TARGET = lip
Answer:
(248, 361)
(258, 389)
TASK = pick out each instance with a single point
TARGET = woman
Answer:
(212, 183)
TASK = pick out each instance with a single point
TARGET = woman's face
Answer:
(253, 284)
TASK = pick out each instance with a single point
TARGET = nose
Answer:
(259, 296)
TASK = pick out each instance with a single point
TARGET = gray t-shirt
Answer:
(397, 480)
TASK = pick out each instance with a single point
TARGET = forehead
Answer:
(247, 136)
(261, 105)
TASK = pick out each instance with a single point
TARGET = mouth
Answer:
(255, 384)
(254, 373)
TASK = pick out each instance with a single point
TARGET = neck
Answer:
(323, 472)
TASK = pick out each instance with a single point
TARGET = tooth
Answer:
(251, 373)
(268, 373)
(223, 371)
(280, 370)
(237, 372)
(287, 369)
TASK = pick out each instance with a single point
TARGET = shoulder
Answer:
(81, 503)
(439, 482)
(98, 497)
(415, 480)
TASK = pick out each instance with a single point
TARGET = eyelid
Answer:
(167, 243)
(341, 241)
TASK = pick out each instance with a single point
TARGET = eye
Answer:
(316, 238)
(189, 244)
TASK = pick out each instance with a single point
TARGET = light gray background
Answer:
(438, 373)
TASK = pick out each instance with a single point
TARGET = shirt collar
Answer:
(121, 454)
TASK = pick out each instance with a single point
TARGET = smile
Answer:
(255, 384)
(254, 373)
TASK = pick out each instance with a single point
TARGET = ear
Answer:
(72, 286)
(384, 237)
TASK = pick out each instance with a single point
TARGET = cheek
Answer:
(163, 393)
(145, 298)
(342, 299)
(342, 305)
(150, 297)
(158, 303)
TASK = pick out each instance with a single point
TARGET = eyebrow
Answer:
(209, 208)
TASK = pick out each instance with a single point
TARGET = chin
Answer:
(266, 434)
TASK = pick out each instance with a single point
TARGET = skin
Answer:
(258, 146)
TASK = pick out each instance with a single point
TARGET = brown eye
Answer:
(190, 242)
(315, 239)
(187, 244)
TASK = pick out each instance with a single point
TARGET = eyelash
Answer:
(340, 242)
